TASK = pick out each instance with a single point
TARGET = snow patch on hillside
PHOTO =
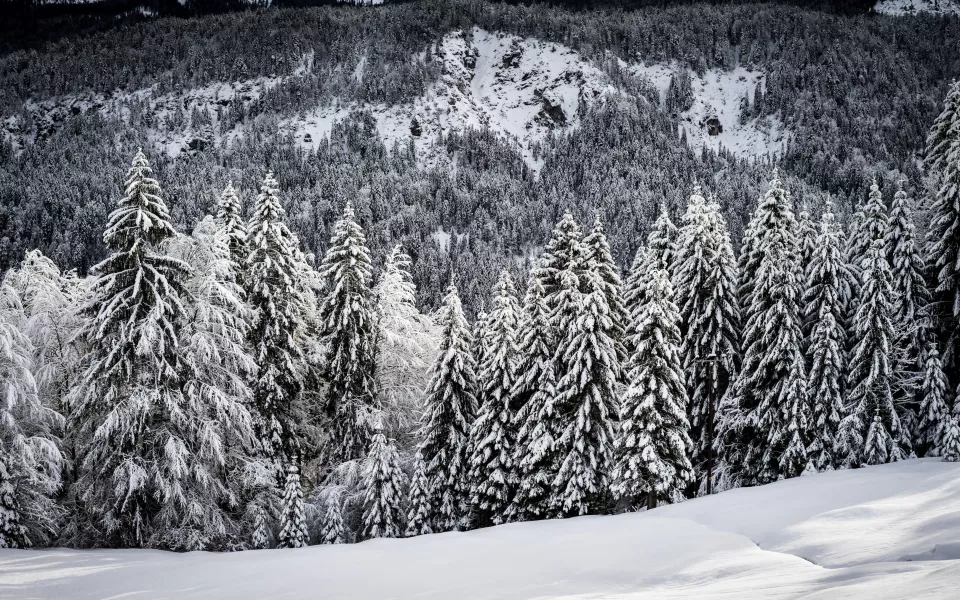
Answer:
(899, 8)
(520, 88)
(885, 532)
(717, 95)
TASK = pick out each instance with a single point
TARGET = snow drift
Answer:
(891, 531)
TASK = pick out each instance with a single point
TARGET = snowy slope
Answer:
(882, 532)
(912, 7)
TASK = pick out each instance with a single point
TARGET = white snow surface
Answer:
(891, 531)
(898, 8)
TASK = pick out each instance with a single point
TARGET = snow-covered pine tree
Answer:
(824, 312)
(450, 407)
(293, 522)
(383, 491)
(145, 447)
(405, 346)
(772, 385)
(30, 459)
(331, 522)
(943, 235)
(480, 343)
(564, 248)
(651, 456)
(492, 436)
(260, 536)
(530, 397)
(706, 286)
(950, 446)
(662, 241)
(347, 333)
(584, 402)
(806, 235)
(276, 293)
(872, 418)
(934, 412)
(230, 220)
(418, 516)
(601, 263)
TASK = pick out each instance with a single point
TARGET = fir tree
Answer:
(943, 134)
(584, 403)
(144, 446)
(772, 385)
(652, 448)
(331, 524)
(530, 397)
(871, 418)
(450, 407)
(807, 237)
(347, 333)
(293, 523)
(383, 484)
(260, 538)
(230, 220)
(277, 294)
(824, 320)
(950, 446)
(418, 517)
(564, 249)
(600, 262)
(492, 437)
(705, 278)
(934, 413)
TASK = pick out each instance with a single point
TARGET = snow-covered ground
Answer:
(911, 7)
(882, 532)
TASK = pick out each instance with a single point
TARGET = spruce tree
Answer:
(934, 412)
(584, 401)
(772, 385)
(347, 334)
(418, 517)
(144, 446)
(652, 447)
(824, 313)
(293, 523)
(706, 287)
(276, 292)
(533, 457)
(492, 437)
(331, 522)
(943, 134)
(872, 418)
(950, 445)
(230, 220)
(383, 484)
(807, 236)
(450, 407)
(600, 262)
(564, 248)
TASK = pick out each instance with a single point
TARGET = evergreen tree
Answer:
(934, 413)
(824, 320)
(807, 237)
(706, 277)
(950, 446)
(492, 436)
(584, 403)
(652, 448)
(772, 385)
(662, 241)
(383, 484)
(293, 523)
(601, 263)
(230, 220)
(450, 407)
(872, 419)
(30, 459)
(418, 517)
(146, 468)
(564, 249)
(260, 538)
(347, 334)
(943, 134)
(533, 457)
(331, 525)
(276, 292)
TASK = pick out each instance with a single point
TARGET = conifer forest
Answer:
(318, 273)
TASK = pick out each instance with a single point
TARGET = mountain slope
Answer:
(880, 532)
